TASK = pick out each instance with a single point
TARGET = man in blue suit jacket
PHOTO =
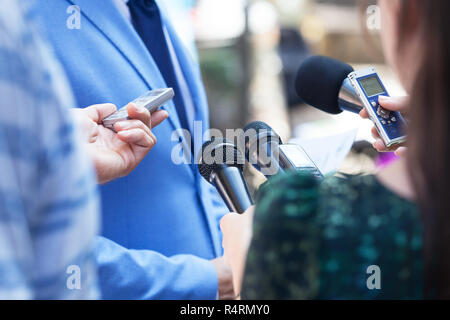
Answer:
(160, 236)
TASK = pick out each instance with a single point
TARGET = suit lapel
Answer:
(104, 15)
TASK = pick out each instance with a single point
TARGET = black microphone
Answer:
(221, 164)
(322, 83)
(265, 150)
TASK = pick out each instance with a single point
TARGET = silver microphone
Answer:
(221, 164)
(267, 153)
(348, 99)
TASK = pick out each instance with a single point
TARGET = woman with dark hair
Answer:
(362, 237)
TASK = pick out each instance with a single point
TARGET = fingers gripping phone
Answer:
(151, 101)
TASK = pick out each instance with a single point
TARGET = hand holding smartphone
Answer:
(151, 101)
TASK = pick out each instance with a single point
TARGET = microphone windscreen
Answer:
(319, 80)
(217, 153)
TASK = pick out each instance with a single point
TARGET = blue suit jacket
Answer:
(160, 223)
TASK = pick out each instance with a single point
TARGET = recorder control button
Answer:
(383, 113)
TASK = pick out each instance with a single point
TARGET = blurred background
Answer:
(250, 50)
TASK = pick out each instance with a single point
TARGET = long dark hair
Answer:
(428, 137)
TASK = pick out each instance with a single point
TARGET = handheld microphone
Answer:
(265, 150)
(221, 164)
(333, 86)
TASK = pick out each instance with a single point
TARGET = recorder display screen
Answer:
(372, 86)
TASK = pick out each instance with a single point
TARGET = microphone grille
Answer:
(215, 154)
(256, 134)
(258, 127)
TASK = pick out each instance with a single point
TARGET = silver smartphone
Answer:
(151, 101)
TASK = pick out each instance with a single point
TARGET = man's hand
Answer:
(117, 154)
(400, 104)
(237, 232)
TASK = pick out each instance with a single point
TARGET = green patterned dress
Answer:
(316, 240)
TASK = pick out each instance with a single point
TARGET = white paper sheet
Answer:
(328, 152)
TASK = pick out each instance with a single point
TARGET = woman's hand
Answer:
(400, 104)
(117, 154)
(237, 232)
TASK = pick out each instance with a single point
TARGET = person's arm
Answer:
(49, 207)
(65, 213)
(237, 234)
(145, 274)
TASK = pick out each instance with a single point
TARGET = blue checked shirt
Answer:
(48, 196)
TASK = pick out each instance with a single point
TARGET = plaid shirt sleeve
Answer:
(48, 194)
